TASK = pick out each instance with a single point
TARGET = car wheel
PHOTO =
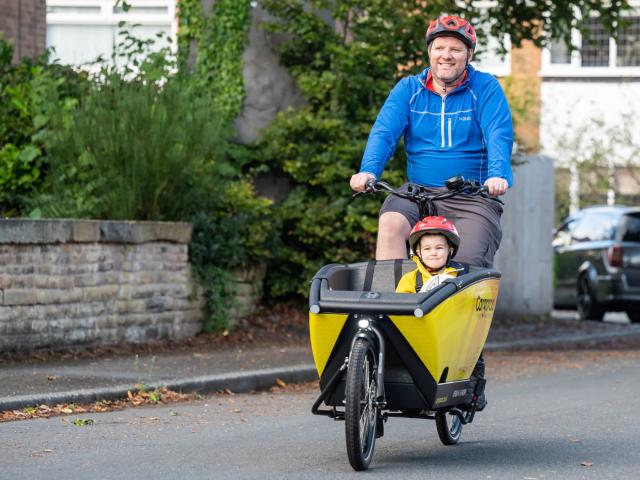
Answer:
(588, 306)
(634, 316)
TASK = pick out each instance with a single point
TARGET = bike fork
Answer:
(367, 330)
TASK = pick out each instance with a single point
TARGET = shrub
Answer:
(30, 93)
(139, 145)
(146, 142)
(345, 74)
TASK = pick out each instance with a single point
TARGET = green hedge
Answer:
(345, 71)
(31, 92)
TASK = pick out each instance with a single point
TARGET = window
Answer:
(563, 235)
(488, 60)
(594, 51)
(598, 54)
(560, 53)
(82, 30)
(594, 227)
(631, 228)
(629, 45)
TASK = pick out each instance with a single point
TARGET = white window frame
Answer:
(504, 69)
(575, 68)
(108, 17)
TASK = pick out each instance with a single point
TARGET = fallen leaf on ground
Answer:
(82, 422)
(41, 453)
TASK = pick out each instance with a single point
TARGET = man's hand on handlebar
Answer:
(496, 186)
(358, 181)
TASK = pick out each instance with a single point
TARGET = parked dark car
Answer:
(597, 262)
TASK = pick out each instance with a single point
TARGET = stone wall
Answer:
(69, 282)
(248, 287)
(23, 23)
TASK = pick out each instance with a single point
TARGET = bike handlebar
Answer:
(424, 198)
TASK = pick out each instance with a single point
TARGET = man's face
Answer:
(448, 57)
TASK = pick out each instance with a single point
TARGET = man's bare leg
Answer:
(393, 232)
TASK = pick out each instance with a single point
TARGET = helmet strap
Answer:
(431, 270)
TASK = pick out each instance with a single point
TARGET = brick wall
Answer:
(524, 88)
(23, 22)
(65, 283)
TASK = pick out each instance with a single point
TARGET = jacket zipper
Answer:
(442, 122)
(449, 123)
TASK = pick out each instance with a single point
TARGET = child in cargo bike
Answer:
(435, 241)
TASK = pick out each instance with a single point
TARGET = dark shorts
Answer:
(477, 220)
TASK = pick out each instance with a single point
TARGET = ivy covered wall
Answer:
(219, 38)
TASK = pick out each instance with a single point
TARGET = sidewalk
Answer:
(245, 368)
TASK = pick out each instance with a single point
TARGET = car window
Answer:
(630, 227)
(595, 226)
(562, 237)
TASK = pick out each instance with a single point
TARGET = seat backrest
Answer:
(378, 276)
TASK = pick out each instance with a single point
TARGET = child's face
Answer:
(433, 250)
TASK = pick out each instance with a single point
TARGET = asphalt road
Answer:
(554, 415)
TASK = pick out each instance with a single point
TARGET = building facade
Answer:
(80, 31)
(590, 109)
(23, 23)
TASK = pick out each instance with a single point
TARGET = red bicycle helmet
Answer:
(452, 26)
(435, 225)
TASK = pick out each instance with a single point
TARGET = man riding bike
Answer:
(455, 120)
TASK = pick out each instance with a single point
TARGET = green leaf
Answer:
(35, 214)
(82, 422)
(28, 154)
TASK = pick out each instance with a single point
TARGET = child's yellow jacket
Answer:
(407, 283)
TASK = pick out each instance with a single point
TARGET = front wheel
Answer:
(361, 410)
(449, 427)
(588, 306)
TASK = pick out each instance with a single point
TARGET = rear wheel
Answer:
(588, 306)
(449, 427)
(361, 411)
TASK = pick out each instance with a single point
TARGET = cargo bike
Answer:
(382, 354)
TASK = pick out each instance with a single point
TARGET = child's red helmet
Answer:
(452, 26)
(435, 225)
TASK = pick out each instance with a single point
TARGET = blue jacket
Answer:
(468, 132)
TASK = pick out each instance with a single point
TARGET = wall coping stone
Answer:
(39, 231)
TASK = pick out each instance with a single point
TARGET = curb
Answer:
(560, 340)
(242, 382)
